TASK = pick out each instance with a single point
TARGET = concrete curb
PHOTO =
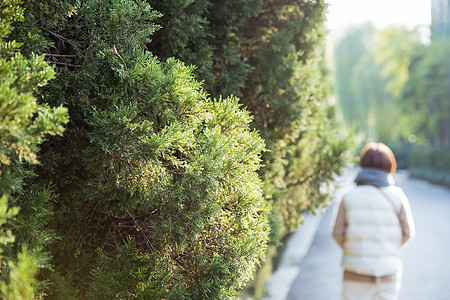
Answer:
(298, 246)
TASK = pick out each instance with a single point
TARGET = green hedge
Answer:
(431, 164)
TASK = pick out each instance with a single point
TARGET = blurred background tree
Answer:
(406, 79)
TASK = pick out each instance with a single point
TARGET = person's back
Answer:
(374, 236)
(372, 222)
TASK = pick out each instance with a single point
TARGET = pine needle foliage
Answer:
(161, 186)
(271, 54)
(153, 191)
(24, 124)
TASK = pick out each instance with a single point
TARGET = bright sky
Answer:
(343, 13)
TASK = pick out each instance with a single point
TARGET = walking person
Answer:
(372, 223)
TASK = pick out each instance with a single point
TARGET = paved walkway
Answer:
(296, 256)
(314, 273)
(320, 275)
(298, 246)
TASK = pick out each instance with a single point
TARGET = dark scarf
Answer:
(371, 176)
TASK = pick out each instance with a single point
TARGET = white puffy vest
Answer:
(373, 236)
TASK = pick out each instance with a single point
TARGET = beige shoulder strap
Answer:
(390, 201)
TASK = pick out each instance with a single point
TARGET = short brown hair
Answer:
(378, 156)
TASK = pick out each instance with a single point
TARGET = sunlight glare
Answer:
(344, 13)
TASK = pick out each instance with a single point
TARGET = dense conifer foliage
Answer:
(164, 184)
(270, 53)
(24, 124)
